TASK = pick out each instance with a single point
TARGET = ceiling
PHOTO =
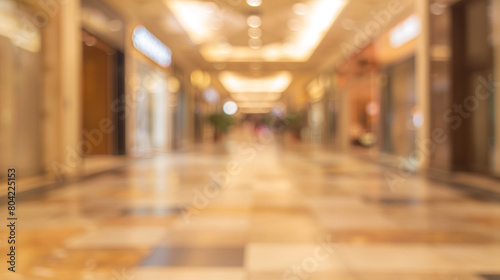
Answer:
(158, 16)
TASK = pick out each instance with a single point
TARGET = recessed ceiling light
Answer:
(313, 26)
(300, 9)
(254, 3)
(255, 43)
(254, 33)
(254, 21)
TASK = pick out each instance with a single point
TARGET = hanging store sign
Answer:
(152, 47)
(405, 32)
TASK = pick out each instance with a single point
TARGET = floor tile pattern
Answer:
(218, 212)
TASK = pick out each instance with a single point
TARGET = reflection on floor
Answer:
(254, 211)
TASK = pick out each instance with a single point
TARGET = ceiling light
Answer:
(271, 53)
(255, 43)
(321, 14)
(233, 82)
(404, 32)
(230, 108)
(225, 48)
(200, 79)
(254, 33)
(194, 18)
(201, 20)
(254, 21)
(300, 9)
(173, 84)
(254, 3)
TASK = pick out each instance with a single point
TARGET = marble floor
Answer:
(255, 211)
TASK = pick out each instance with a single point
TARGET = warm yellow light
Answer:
(201, 20)
(173, 84)
(200, 79)
(193, 18)
(12, 27)
(254, 21)
(316, 90)
(319, 15)
(254, 3)
(242, 84)
(205, 83)
(404, 32)
(300, 9)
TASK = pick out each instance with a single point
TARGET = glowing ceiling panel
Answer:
(196, 18)
(236, 83)
(203, 21)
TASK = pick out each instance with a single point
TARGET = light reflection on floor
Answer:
(262, 212)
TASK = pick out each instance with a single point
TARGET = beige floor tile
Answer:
(189, 273)
(119, 237)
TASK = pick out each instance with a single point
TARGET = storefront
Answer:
(356, 84)
(317, 91)
(464, 67)
(152, 100)
(400, 117)
(21, 91)
(103, 80)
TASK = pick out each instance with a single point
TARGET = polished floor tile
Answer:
(119, 237)
(188, 273)
(195, 257)
(290, 213)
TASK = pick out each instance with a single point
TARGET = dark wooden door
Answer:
(97, 95)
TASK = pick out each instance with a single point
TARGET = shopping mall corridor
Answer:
(255, 210)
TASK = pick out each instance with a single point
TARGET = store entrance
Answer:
(472, 118)
(102, 81)
(398, 108)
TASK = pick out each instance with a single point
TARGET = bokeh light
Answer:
(230, 108)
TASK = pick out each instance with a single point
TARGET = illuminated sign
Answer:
(152, 47)
(405, 31)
